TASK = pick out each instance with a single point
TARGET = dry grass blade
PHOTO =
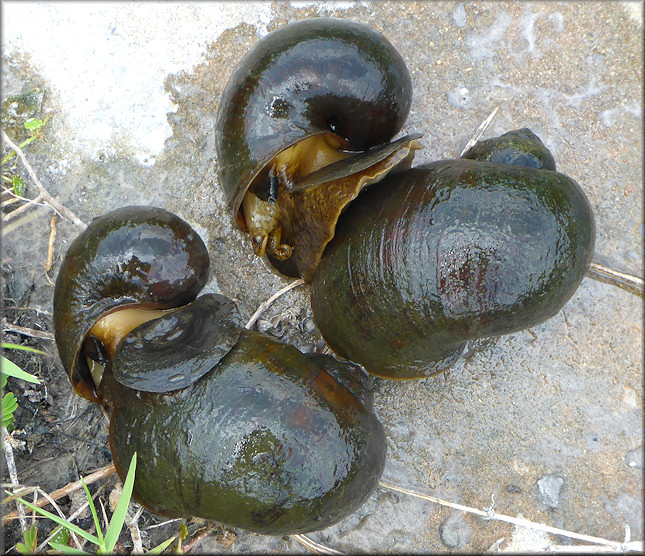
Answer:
(489, 514)
(271, 299)
(314, 546)
(13, 475)
(78, 512)
(62, 210)
(199, 538)
(627, 282)
(50, 248)
(68, 489)
(480, 131)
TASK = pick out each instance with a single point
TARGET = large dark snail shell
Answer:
(303, 126)
(268, 441)
(228, 424)
(315, 76)
(446, 252)
(132, 256)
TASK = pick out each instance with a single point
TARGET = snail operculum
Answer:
(308, 96)
(128, 267)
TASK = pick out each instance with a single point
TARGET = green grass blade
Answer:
(66, 549)
(24, 348)
(161, 547)
(11, 369)
(75, 528)
(118, 517)
(99, 533)
(9, 405)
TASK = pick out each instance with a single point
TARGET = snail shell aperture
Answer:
(295, 113)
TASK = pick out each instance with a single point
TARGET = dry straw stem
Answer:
(480, 131)
(68, 489)
(50, 247)
(271, 299)
(489, 515)
(199, 538)
(312, 545)
(632, 284)
(44, 195)
(31, 332)
(78, 512)
(13, 475)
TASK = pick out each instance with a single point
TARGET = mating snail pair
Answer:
(404, 271)
(405, 264)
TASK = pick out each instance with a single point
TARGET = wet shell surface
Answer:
(447, 252)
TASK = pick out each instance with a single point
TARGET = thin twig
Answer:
(78, 512)
(199, 538)
(627, 282)
(167, 522)
(62, 210)
(314, 546)
(29, 203)
(271, 299)
(31, 332)
(8, 227)
(68, 489)
(489, 514)
(132, 516)
(13, 475)
(49, 500)
(50, 249)
(480, 131)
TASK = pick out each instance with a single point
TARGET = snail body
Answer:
(307, 97)
(447, 252)
(228, 424)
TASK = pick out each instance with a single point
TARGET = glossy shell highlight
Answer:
(316, 76)
(269, 441)
(130, 256)
(446, 252)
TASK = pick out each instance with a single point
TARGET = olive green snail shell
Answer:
(269, 441)
(303, 125)
(447, 252)
(228, 424)
(133, 256)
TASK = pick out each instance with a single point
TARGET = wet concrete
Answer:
(134, 90)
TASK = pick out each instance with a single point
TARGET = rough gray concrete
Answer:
(134, 91)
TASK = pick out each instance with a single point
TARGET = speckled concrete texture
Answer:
(549, 420)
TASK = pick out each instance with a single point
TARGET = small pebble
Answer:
(550, 490)
(635, 458)
(308, 325)
(454, 532)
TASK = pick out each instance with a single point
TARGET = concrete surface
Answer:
(548, 421)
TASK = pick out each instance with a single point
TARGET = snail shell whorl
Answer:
(131, 256)
(446, 252)
(315, 76)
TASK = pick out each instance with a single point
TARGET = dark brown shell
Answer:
(130, 256)
(315, 76)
